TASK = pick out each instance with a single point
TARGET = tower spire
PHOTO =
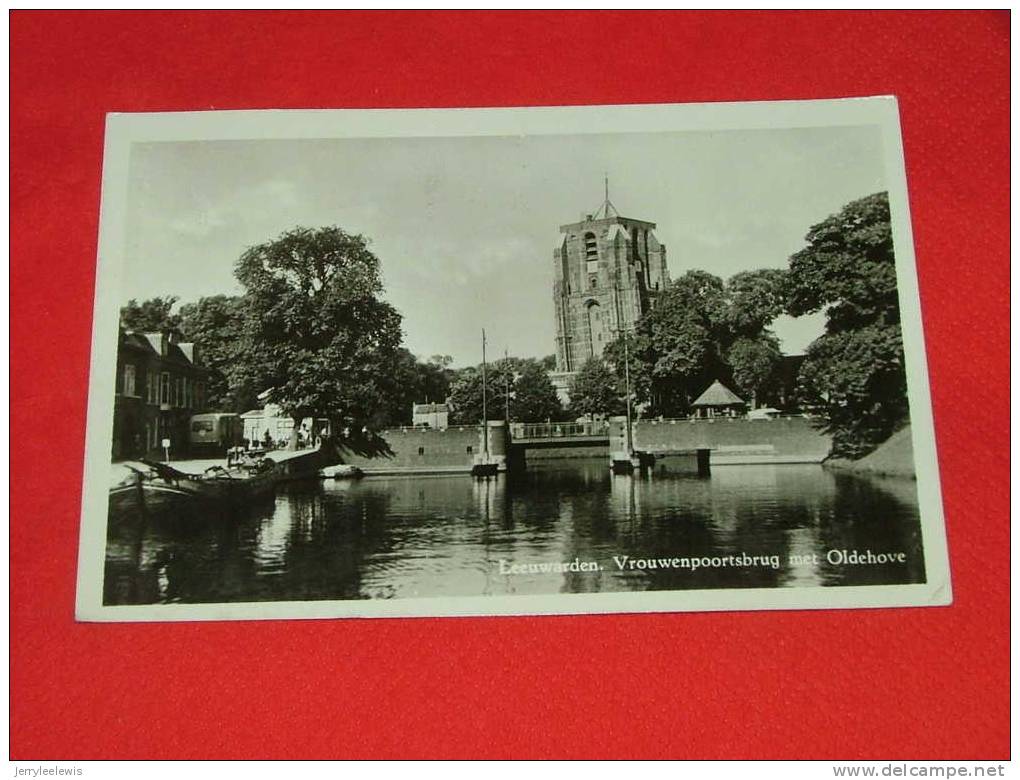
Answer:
(607, 208)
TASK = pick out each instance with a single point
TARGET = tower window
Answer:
(591, 248)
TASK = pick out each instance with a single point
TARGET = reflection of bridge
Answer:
(536, 435)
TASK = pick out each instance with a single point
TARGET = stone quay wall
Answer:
(731, 440)
(430, 450)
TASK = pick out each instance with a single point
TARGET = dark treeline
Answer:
(311, 327)
(702, 328)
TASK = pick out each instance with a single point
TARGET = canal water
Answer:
(565, 526)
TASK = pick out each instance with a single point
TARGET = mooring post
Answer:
(704, 462)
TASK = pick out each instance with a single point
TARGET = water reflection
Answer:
(406, 537)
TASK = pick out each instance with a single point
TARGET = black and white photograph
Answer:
(508, 361)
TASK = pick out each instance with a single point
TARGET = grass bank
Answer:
(893, 458)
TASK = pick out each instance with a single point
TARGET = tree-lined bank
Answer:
(313, 333)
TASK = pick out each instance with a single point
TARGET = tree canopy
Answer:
(534, 397)
(848, 268)
(596, 390)
(466, 392)
(319, 335)
(217, 324)
(702, 329)
(413, 381)
(853, 376)
(150, 316)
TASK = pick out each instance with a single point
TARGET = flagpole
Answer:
(485, 406)
(626, 374)
(506, 368)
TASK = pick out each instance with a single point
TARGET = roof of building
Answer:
(718, 395)
(152, 343)
(430, 408)
(615, 230)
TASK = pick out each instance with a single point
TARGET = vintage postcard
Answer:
(508, 361)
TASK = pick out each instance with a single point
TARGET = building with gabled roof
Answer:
(160, 383)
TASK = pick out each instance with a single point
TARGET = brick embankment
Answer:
(734, 441)
(426, 450)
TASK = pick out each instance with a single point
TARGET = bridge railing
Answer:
(558, 430)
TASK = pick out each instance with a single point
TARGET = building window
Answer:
(421, 450)
(129, 379)
(591, 248)
(470, 449)
(591, 311)
(164, 389)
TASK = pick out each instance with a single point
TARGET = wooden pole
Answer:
(485, 406)
(506, 368)
(626, 374)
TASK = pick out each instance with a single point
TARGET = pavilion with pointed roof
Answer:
(718, 400)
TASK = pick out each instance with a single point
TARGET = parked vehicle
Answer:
(214, 433)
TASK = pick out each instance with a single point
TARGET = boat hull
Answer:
(166, 490)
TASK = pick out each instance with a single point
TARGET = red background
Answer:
(850, 684)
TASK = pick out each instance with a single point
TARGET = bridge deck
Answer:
(561, 441)
(559, 434)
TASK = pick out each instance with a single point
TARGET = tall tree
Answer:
(413, 381)
(854, 380)
(595, 390)
(631, 354)
(853, 376)
(433, 378)
(847, 268)
(679, 344)
(150, 316)
(548, 362)
(466, 393)
(319, 334)
(754, 362)
(753, 300)
(702, 329)
(534, 396)
(217, 324)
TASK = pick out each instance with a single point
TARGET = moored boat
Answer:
(341, 471)
(150, 486)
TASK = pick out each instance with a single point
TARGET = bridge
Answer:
(538, 435)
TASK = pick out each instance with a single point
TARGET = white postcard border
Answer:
(124, 129)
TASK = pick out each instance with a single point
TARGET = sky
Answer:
(465, 228)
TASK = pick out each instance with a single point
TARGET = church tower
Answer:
(608, 270)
